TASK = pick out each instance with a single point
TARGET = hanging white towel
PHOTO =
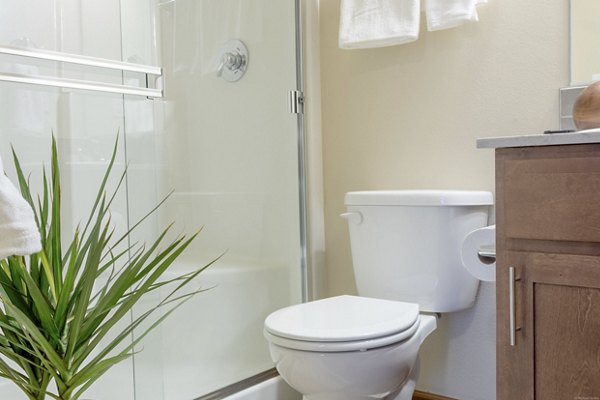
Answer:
(446, 14)
(19, 234)
(378, 23)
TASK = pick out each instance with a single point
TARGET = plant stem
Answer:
(66, 392)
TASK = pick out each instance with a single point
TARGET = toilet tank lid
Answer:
(419, 198)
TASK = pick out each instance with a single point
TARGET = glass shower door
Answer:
(229, 152)
(50, 35)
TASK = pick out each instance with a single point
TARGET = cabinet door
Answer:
(556, 355)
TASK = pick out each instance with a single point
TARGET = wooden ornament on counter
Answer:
(586, 110)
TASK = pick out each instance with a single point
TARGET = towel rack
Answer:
(152, 73)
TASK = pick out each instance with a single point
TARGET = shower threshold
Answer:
(264, 386)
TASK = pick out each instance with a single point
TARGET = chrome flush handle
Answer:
(353, 217)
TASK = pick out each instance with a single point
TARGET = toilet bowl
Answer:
(348, 347)
(407, 266)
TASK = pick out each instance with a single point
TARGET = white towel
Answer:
(446, 14)
(19, 234)
(378, 23)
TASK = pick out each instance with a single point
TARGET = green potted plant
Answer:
(59, 308)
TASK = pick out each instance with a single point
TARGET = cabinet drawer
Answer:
(549, 195)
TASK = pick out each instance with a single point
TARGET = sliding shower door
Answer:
(85, 123)
(226, 153)
(229, 152)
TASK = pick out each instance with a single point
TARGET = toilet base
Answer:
(365, 375)
(404, 393)
(408, 388)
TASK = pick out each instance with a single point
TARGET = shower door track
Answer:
(241, 385)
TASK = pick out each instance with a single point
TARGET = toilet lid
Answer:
(342, 319)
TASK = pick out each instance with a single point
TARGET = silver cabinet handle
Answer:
(511, 305)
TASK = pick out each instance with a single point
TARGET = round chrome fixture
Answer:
(234, 61)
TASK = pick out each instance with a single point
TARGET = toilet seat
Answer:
(343, 323)
(335, 347)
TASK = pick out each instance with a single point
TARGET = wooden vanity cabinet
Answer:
(548, 232)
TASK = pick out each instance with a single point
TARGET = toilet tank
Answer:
(406, 245)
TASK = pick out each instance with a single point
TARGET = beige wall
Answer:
(585, 31)
(407, 117)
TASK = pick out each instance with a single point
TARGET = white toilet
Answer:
(406, 257)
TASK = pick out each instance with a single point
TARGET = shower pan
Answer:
(196, 116)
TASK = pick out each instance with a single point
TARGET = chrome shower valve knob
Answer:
(231, 61)
(234, 61)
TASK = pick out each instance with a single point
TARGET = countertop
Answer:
(554, 139)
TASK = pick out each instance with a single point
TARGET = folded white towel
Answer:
(378, 23)
(445, 14)
(19, 234)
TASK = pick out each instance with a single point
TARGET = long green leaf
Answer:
(43, 309)
(62, 304)
(85, 287)
(102, 187)
(55, 226)
(24, 185)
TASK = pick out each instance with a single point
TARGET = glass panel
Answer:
(139, 32)
(85, 124)
(85, 127)
(229, 152)
(90, 28)
(30, 24)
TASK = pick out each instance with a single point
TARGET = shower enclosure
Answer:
(151, 74)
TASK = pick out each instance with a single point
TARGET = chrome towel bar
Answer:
(81, 84)
(149, 71)
(80, 60)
